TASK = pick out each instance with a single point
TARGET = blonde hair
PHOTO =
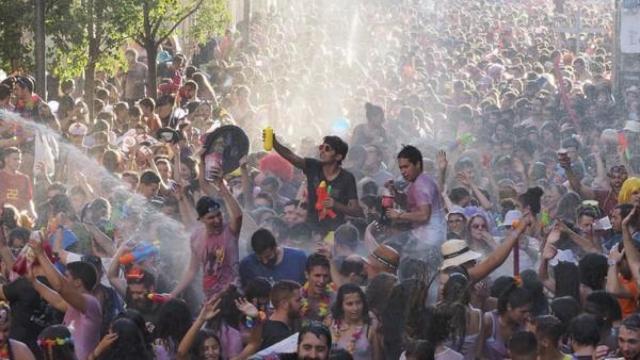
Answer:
(629, 186)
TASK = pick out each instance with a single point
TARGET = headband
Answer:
(384, 261)
(48, 343)
(457, 253)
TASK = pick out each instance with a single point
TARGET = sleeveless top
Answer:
(495, 346)
(469, 343)
(361, 349)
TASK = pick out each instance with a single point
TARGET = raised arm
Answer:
(113, 273)
(5, 251)
(230, 202)
(443, 164)
(286, 153)
(575, 183)
(500, 254)
(549, 252)
(188, 276)
(209, 311)
(633, 255)
(58, 282)
(613, 283)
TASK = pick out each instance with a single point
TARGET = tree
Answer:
(16, 35)
(159, 19)
(88, 36)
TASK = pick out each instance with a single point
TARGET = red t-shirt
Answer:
(15, 189)
(219, 257)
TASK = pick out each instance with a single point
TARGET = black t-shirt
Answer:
(273, 332)
(30, 314)
(343, 189)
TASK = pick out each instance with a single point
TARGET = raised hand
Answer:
(615, 254)
(210, 309)
(246, 307)
(441, 160)
(549, 252)
(105, 343)
(628, 218)
(463, 179)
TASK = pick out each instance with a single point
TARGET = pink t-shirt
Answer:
(219, 258)
(84, 328)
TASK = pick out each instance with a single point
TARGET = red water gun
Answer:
(322, 194)
(158, 298)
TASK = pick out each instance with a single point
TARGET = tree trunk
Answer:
(152, 77)
(90, 68)
(89, 86)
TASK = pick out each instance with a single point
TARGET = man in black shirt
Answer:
(285, 297)
(339, 183)
(30, 313)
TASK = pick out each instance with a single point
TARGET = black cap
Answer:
(206, 205)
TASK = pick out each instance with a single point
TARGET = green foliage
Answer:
(212, 19)
(90, 32)
(159, 19)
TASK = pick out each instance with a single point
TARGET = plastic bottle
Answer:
(388, 202)
(212, 166)
(268, 138)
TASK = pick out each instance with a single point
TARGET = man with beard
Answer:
(608, 199)
(214, 246)
(139, 284)
(314, 343)
(273, 262)
(286, 298)
(629, 338)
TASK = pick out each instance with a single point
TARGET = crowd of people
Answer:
(509, 228)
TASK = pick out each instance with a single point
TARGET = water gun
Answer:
(322, 193)
(135, 273)
(158, 298)
(545, 218)
(464, 140)
(139, 253)
(624, 144)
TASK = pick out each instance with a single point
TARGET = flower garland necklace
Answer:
(323, 303)
(4, 351)
(337, 330)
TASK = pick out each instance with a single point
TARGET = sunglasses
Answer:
(455, 221)
(325, 148)
(478, 226)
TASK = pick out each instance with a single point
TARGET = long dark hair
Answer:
(174, 321)
(513, 296)
(197, 350)
(344, 290)
(130, 343)
(229, 313)
(456, 295)
(57, 352)
(567, 277)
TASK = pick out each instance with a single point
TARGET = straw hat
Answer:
(386, 256)
(456, 253)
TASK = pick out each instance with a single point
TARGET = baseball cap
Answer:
(206, 205)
